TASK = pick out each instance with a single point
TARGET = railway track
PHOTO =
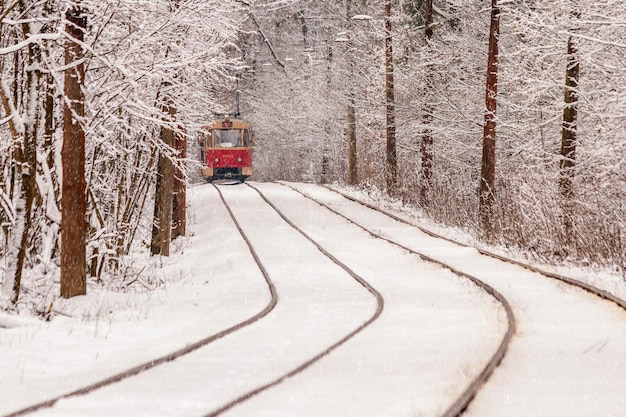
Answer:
(602, 293)
(461, 404)
(456, 408)
(124, 376)
(120, 377)
(141, 369)
(306, 364)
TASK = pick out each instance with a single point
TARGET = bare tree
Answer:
(327, 131)
(162, 227)
(426, 148)
(108, 95)
(569, 132)
(353, 177)
(27, 156)
(73, 201)
(392, 158)
(487, 173)
(179, 205)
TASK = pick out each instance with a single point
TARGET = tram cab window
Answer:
(227, 138)
(246, 137)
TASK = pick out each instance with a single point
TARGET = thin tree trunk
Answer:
(352, 162)
(568, 139)
(351, 116)
(136, 203)
(179, 203)
(73, 201)
(487, 174)
(29, 164)
(426, 148)
(327, 129)
(9, 110)
(49, 121)
(12, 235)
(139, 201)
(392, 158)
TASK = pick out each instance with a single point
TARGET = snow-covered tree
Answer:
(439, 86)
(131, 50)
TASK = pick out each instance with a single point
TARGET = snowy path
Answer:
(393, 368)
(569, 354)
(318, 304)
(435, 333)
(106, 334)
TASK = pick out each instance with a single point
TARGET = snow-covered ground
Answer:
(568, 354)
(435, 333)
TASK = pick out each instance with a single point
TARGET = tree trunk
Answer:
(29, 162)
(351, 116)
(426, 148)
(73, 201)
(392, 158)
(162, 226)
(49, 120)
(352, 162)
(568, 139)
(487, 174)
(327, 129)
(179, 204)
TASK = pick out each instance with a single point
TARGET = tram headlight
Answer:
(216, 160)
(239, 159)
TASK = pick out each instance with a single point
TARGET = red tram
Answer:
(226, 150)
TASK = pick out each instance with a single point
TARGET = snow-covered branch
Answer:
(30, 40)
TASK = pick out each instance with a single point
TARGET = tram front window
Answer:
(227, 138)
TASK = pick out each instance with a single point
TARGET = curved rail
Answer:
(599, 292)
(567, 280)
(461, 403)
(176, 354)
(380, 302)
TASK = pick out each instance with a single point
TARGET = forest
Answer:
(504, 119)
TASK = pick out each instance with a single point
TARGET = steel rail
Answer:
(461, 403)
(559, 277)
(591, 289)
(380, 302)
(178, 353)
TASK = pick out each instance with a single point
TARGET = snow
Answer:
(361, 17)
(31, 39)
(435, 334)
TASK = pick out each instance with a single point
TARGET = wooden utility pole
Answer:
(73, 201)
(392, 158)
(487, 173)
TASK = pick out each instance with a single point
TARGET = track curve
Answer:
(303, 366)
(592, 290)
(559, 277)
(239, 398)
(176, 354)
(459, 405)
